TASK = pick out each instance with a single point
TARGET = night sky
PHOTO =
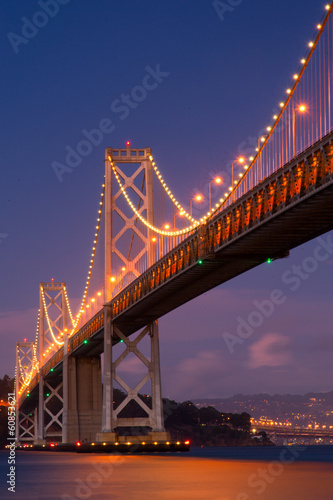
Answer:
(222, 75)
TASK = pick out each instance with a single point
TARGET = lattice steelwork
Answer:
(25, 360)
(26, 426)
(123, 262)
(53, 406)
(53, 318)
(154, 418)
(25, 363)
(53, 324)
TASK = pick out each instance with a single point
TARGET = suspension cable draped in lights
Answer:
(83, 301)
(168, 192)
(283, 105)
(144, 221)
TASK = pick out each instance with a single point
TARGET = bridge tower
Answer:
(53, 322)
(26, 420)
(134, 169)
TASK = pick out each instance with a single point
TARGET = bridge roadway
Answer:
(288, 208)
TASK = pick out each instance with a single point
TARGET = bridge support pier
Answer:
(111, 419)
(82, 411)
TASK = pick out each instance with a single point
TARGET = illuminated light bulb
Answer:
(113, 279)
(87, 306)
(166, 226)
(303, 61)
(251, 158)
(257, 149)
(302, 108)
(230, 189)
(327, 7)
(262, 139)
(198, 197)
(99, 293)
(241, 160)
(218, 180)
(269, 129)
(123, 268)
(295, 77)
(93, 300)
(281, 104)
(311, 44)
(128, 143)
(288, 91)
(246, 167)
(217, 205)
(275, 117)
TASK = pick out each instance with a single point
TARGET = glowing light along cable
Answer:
(26, 377)
(35, 365)
(68, 306)
(283, 105)
(169, 193)
(36, 340)
(83, 301)
(144, 221)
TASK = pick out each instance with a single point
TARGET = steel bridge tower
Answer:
(135, 171)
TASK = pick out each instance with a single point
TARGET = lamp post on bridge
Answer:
(217, 180)
(239, 160)
(198, 198)
(301, 109)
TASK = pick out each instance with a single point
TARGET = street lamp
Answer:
(197, 198)
(180, 214)
(241, 159)
(261, 139)
(217, 180)
(301, 109)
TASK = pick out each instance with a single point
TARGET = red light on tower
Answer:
(128, 143)
(52, 279)
(24, 340)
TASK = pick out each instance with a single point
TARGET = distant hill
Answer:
(299, 410)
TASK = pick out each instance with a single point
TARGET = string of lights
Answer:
(144, 221)
(283, 105)
(169, 193)
(68, 306)
(93, 254)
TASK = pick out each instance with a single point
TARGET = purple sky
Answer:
(225, 76)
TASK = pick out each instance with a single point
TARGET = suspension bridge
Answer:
(158, 255)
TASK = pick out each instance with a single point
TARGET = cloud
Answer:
(271, 350)
(196, 376)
